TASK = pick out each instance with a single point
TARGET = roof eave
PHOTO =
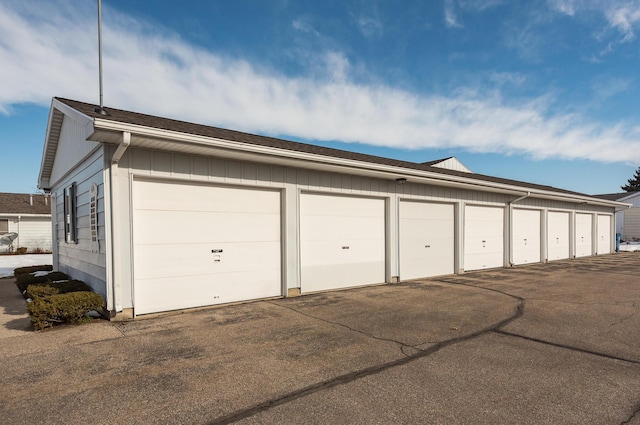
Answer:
(57, 112)
(289, 157)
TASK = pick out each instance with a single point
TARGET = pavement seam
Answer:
(363, 373)
(635, 412)
(401, 344)
(566, 347)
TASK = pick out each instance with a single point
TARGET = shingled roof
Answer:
(614, 196)
(24, 203)
(151, 121)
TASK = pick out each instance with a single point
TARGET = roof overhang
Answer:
(57, 113)
(110, 132)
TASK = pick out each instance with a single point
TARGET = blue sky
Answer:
(544, 91)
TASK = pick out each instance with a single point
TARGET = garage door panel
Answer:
(201, 290)
(342, 241)
(483, 237)
(187, 259)
(341, 206)
(339, 228)
(176, 227)
(366, 250)
(360, 274)
(426, 239)
(526, 236)
(199, 227)
(182, 197)
(558, 235)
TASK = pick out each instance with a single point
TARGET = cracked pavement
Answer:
(549, 343)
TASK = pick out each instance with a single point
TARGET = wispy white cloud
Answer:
(369, 26)
(52, 52)
(567, 7)
(480, 5)
(302, 25)
(625, 17)
(511, 78)
(450, 17)
(607, 87)
(621, 17)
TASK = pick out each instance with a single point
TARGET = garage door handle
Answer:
(345, 247)
(216, 251)
(427, 246)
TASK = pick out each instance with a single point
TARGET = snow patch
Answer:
(10, 262)
(629, 246)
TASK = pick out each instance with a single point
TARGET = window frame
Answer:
(70, 214)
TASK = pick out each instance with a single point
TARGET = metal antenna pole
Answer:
(100, 110)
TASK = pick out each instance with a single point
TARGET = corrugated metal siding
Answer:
(72, 148)
(79, 260)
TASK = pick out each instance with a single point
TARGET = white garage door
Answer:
(583, 235)
(526, 236)
(604, 234)
(197, 245)
(342, 241)
(557, 235)
(483, 237)
(426, 239)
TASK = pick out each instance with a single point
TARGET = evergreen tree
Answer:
(633, 184)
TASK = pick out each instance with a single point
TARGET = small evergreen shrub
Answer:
(24, 280)
(45, 289)
(55, 309)
(40, 290)
(21, 250)
(31, 269)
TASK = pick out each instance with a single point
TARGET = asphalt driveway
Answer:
(555, 343)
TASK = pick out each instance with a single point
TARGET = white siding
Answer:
(34, 233)
(72, 149)
(79, 260)
(631, 224)
(633, 200)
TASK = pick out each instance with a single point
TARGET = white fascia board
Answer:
(288, 157)
(67, 111)
(75, 115)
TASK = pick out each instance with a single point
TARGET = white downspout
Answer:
(510, 236)
(115, 220)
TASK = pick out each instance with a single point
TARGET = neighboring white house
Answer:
(627, 220)
(158, 214)
(28, 216)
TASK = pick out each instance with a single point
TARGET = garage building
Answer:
(157, 214)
